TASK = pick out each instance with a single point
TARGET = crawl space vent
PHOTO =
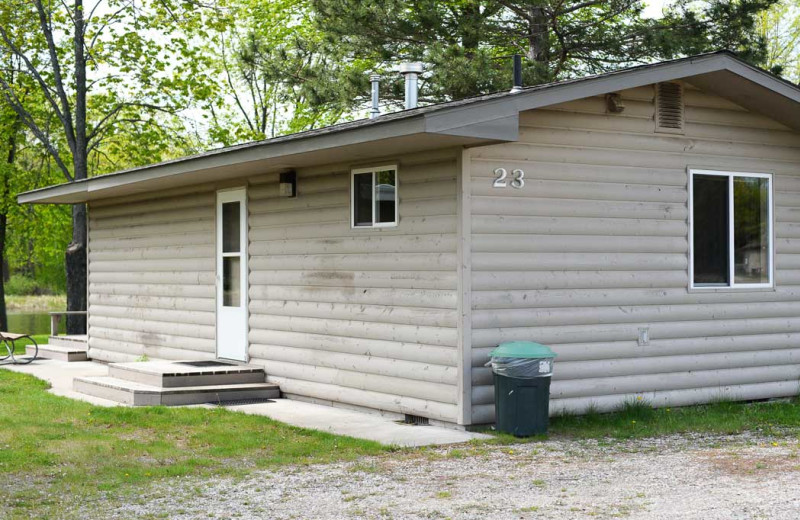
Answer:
(669, 108)
(416, 420)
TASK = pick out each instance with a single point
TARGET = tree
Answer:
(274, 73)
(780, 28)
(93, 81)
(9, 130)
(466, 43)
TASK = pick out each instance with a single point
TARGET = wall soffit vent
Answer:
(669, 108)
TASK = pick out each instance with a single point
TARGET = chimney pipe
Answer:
(411, 72)
(517, 74)
(375, 79)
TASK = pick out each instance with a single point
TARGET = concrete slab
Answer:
(338, 421)
(356, 424)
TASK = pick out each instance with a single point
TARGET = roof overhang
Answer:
(480, 121)
(355, 144)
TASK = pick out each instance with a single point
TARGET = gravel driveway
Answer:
(745, 476)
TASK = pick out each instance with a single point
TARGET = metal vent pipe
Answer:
(517, 74)
(375, 79)
(411, 71)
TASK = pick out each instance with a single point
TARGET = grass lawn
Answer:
(53, 448)
(639, 420)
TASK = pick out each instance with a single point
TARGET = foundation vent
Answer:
(669, 108)
(416, 420)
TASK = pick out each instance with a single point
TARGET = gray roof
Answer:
(472, 121)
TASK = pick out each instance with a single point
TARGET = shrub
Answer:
(21, 286)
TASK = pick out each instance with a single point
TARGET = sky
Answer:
(654, 7)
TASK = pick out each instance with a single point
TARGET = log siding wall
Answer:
(152, 276)
(596, 246)
(365, 317)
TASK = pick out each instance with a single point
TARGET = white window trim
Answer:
(373, 170)
(732, 285)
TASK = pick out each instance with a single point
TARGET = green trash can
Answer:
(522, 372)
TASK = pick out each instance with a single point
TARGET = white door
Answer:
(232, 274)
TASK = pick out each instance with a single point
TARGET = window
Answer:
(374, 197)
(231, 254)
(730, 229)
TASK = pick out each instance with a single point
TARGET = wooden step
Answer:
(60, 353)
(178, 374)
(69, 341)
(137, 394)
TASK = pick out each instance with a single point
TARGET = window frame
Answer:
(732, 285)
(373, 170)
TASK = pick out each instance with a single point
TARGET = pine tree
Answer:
(465, 44)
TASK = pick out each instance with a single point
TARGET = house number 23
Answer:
(501, 178)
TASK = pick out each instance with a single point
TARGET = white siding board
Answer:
(596, 246)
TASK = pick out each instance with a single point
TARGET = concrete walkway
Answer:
(356, 424)
(297, 413)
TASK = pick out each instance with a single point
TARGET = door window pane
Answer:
(231, 227)
(385, 196)
(362, 199)
(751, 229)
(231, 281)
(710, 219)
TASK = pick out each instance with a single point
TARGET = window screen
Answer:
(362, 199)
(385, 196)
(751, 230)
(710, 208)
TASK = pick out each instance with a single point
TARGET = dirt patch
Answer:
(756, 462)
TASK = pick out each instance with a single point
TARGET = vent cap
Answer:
(669, 108)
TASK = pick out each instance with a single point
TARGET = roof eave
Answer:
(389, 133)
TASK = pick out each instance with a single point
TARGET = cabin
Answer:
(645, 224)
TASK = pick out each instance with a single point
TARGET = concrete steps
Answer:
(174, 383)
(63, 348)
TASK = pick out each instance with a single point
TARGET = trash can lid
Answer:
(522, 349)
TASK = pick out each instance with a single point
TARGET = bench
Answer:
(9, 339)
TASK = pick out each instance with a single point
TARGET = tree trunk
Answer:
(76, 271)
(539, 36)
(76, 251)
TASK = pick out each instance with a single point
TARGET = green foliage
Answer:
(273, 74)
(465, 44)
(780, 28)
(139, 75)
(21, 285)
